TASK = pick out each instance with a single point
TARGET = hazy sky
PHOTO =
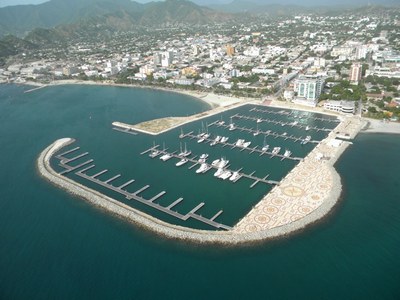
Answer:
(298, 2)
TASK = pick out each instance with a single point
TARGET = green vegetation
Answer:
(345, 91)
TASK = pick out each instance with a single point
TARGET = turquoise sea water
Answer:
(54, 246)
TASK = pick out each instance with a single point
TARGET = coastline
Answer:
(380, 126)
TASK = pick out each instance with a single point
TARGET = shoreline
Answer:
(380, 126)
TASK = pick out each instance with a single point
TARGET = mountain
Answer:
(21, 19)
(11, 45)
(287, 7)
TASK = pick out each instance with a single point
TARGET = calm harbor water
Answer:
(53, 245)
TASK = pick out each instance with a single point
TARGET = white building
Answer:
(308, 89)
(355, 73)
(346, 107)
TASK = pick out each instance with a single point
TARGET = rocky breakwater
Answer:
(147, 222)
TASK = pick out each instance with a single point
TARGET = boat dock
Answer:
(136, 195)
(251, 150)
(291, 124)
(286, 113)
(268, 133)
(210, 166)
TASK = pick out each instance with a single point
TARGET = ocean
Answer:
(55, 246)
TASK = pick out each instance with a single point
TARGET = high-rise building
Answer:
(308, 89)
(355, 73)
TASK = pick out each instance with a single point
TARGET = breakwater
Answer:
(231, 237)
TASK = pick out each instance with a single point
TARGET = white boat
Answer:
(285, 133)
(294, 123)
(215, 162)
(265, 148)
(215, 141)
(239, 142)
(258, 120)
(206, 136)
(256, 133)
(185, 152)
(306, 140)
(235, 176)
(246, 144)
(287, 153)
(181, 162)
(220, 123)
(165, 157)
(307, 128)
(203, 156)
(276, 150)
(232, 127)
(154, 153)
(222, 163)
(203, 168)
(200, 140)
(225, 175)
(219, 172)
(224, 139)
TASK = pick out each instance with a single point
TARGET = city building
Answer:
(355, 73)
(308, 88)
(346, 107)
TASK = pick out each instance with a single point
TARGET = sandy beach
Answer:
(380, 126)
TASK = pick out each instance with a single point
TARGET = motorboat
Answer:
(203, 168)
(224, 139)
(235, 176)
(276, 150)
(166, 157)
(287, 153)
(239, 142)
(225, 175)
(219, 172)
(154, 153)
(246, 144)
(181, 162)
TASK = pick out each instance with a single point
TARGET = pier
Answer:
(210, 166)
(286, 113)
(135, 195)
(251, 150)
(268, 133)
(291, 124)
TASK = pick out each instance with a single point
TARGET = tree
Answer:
(372, 109)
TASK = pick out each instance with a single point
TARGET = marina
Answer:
(261, 152)
(293, 114)
(63, 162)
(208, 167)
(291, 124)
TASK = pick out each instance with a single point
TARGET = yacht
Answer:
(215, 141)
(203, 156)
(259, 120)
(224, 139)
(287, 153)
(235, 176)
(220, 123)
(294, 123)
(285, 133)
(201, 139)
(185, 152)
(257, 132)
(154, 153)
(265, 148)
(181, 162)
(306, 140)
(246, 144)
(215, 162)
(276, 150)
(307, 128)
(239, 142)
(203, 168)
(225, 175)
(219, 172)
(223, 162)
(166, 157)
(232, 127)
